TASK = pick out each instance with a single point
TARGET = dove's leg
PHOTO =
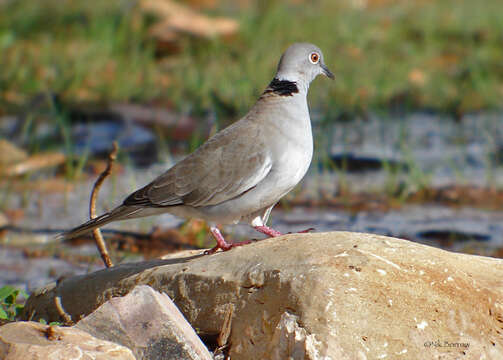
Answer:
(259, 222)
(267, 230)
(221, 243)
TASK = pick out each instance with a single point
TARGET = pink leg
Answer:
(221, 243)
(268, 231)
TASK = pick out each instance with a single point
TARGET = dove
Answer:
(241, 172)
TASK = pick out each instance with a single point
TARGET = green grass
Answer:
(10, 307)
(443, 55)
(12, 303)
(77, 50)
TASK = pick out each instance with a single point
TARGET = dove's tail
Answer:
(119, 213)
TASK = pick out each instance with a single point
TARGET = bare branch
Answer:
(100, 243)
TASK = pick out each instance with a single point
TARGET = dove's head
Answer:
(302, 62)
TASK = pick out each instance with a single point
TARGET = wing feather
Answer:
(226, 166)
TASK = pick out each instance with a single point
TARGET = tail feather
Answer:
(118, 213)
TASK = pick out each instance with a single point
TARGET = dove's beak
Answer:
(327, 72)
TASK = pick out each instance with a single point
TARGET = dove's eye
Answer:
(314, 58)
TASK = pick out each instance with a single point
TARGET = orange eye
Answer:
(314, 58)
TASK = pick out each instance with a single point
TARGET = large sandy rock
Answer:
(35, 341)
(311, 296)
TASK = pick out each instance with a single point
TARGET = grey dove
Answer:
(240, 173)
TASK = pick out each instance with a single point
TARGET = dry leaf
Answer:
(10, 154)
(177, 18)
(417, 77)
(33, 163)
(43, 186)
(445, 61)
(354, 52)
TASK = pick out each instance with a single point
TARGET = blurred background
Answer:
(408, 139)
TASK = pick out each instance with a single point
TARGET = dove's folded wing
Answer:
(209, 176)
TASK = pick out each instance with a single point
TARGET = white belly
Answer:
(290, 163)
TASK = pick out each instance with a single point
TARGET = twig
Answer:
(100, 243)
(62, 313)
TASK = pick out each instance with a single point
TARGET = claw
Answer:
(221, 243)
(303, 231)
(273, 233)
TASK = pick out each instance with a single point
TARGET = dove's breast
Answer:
(290, 147)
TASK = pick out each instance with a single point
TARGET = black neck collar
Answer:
(282, 87)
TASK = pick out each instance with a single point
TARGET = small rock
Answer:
(34, 341)
(148, 323)
(291, 341)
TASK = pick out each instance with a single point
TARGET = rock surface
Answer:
(149, 324)
(34, 341)
(332, 295)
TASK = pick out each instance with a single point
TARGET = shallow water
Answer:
(444, 150)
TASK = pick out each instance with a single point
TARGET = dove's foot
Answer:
(303, 231)
(273, 233)
(221, 243)
(268, 231)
